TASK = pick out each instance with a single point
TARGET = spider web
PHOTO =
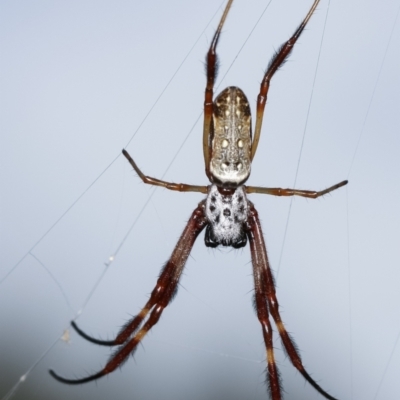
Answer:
(209, 330)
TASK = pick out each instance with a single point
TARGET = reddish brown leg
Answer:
(133, 325)
(294, 192)
(265, 290)
(160, 297)
(181, 187)
(211, 62)
(278, 60)
(273, 379)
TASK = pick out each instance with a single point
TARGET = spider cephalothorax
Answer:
(227, 216)
(226, 211)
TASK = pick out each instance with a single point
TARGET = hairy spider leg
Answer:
(261, 306)
(212, 69)
(312, 194)
(265, 300)
(180, 187)
(134, 323)
(161, 296)
(130, 327)
(212, 66)
(276, 62)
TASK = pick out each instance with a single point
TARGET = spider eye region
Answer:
(226, 215)
(231, 144)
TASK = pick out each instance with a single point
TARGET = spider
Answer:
(228, 217)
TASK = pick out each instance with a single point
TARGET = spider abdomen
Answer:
(231, 140)
(226, 212)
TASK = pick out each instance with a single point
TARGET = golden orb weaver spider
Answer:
(228, 217)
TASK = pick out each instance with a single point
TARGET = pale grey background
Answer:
(78, 78)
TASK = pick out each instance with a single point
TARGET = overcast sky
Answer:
(78, 79)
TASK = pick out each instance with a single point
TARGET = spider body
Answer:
(228, 217)
(226, 211)
(230, 138)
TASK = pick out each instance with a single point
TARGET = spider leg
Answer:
(266, 300)
(294, 192)
(212, 67)
(277, 61)
(132, 325)
(91, 339)
(160, 297)
(261, 305)
(180, 187)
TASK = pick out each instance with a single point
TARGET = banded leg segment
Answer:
(273, 378)
(180, 187)
(312, 194)
(277, 61)
(160, 297)
(212, 66)
(261, 268)
(132, 325)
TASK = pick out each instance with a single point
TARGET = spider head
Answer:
(226, 211)
(230, 138)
